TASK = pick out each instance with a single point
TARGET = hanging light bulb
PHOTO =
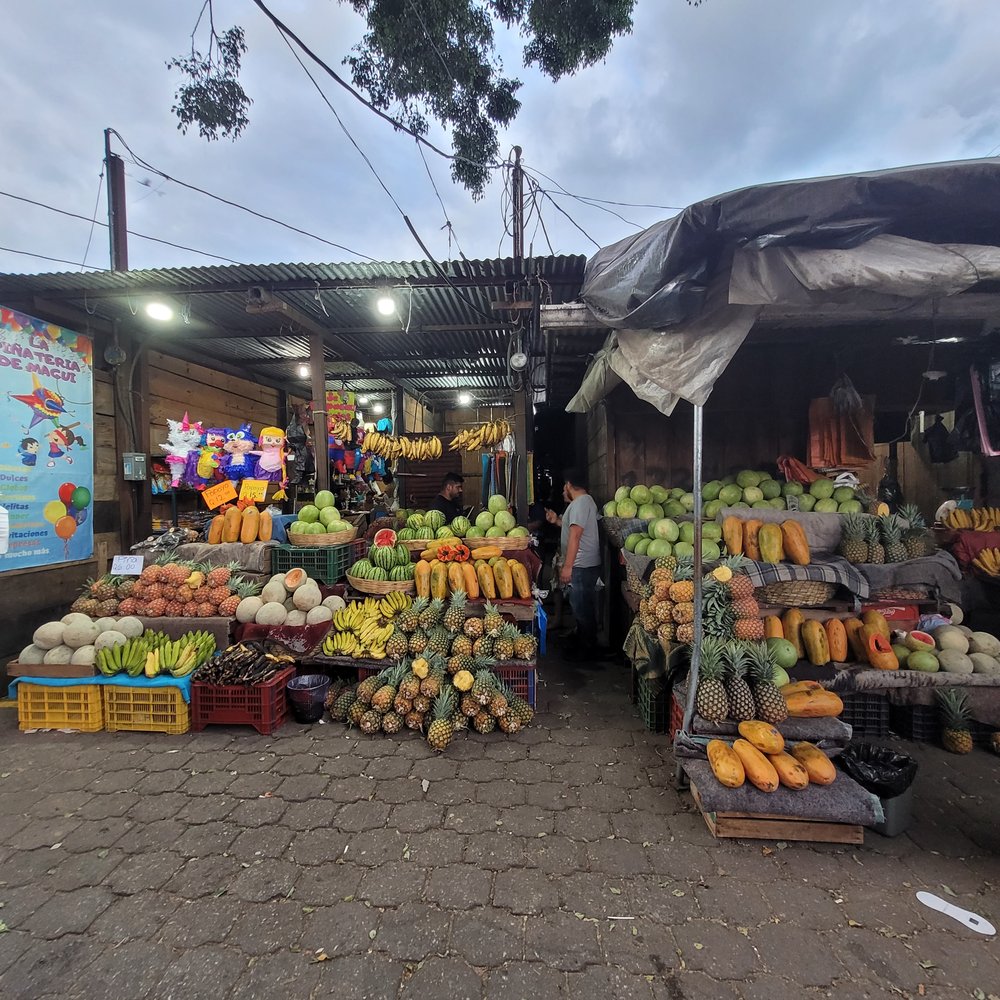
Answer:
(385, 305)
(303, 371)
(464, 398)
(362, 400)
(378, 408)
(159, 311)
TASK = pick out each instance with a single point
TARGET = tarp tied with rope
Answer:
(682, 295)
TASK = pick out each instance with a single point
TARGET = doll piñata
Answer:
(203, 463)
(183, 437)
(270, 452)
(236, 462)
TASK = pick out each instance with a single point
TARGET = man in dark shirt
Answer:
(449, 500)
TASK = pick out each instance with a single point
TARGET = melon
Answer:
(610, 509)
(640, 494)
(821, 489)
(294, 579)
(661, 494)
(954, 662)
(956, 614)
(710, 491)
(84, 656)
(309, 514)
(504, 519)
(325, 499)
(983, 642)
(49, 635)
(460, 526)
(271, 613)
(273, 593)
(923, 661)
(627, 508)
(496, 503)
(948, 637)
(110, 638)
(484, 520)
(621, 494)
(77, 634)
(318, 615)
(919, 642)
(784, 653)
(385, 537)
(104, 624)
(306, 598)
(902, 653)
(730, 495)
(335, 602)
(130, 626)
(710, 551)
(984, 664)
(295, 618)
(31, 654)
(246, 610)
(633, 540)
(75, 618)
(779, 677)
(642, 546)
(58, 654)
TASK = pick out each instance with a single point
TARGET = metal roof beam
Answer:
(221, 333)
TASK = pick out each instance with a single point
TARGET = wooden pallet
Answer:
(766, 826)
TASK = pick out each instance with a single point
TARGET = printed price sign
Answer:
(254, 490)
(126, 565)
(219, 494)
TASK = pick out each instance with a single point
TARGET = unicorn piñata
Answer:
(183, 437)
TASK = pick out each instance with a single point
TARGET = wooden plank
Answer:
(104, 395)
(63, 670)
(168, 373)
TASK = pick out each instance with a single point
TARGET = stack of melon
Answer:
(76, 639)
(291, 598)
(954, 649)
(495, 522)
(319, 517)
(665, 537)
(759, 491)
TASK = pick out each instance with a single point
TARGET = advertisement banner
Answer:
(46, 442)
(340, 406)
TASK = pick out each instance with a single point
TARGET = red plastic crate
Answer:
(263, 706)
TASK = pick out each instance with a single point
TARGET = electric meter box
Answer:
(134, 466)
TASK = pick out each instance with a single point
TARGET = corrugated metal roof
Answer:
(443, 336)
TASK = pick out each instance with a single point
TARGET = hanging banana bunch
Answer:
(340, 429)
(486, 435)
(392, 448)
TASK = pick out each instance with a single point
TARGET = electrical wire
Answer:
(93, 221)
(140, 162)
(447, 222)
(559, 208)
(605, 201)
(57, 260)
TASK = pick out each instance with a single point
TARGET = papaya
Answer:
(522, 584)
(249, 524)
(763, 736)
(878, 649)
(772, 628)
(726, 764)
(756, 766)
(215, 529)
(818, 766)
(232, 524)
(877, 620)
(428, 555)
(814, 642)
(471, 580)
(751, 542)
(732, 533)
(795, 542)
(486, 552)
(836, 639)
(769, 539)
(264, 527)
(422, 578)
(853, 627)
(791, 773)
(505, 581)
(791, 623)
(814, 704)
(456, 578)
(487, 582)
(439, 580)
(797, 687)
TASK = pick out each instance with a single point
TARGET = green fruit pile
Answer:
(319, 517)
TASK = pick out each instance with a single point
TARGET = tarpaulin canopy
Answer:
(684, 293)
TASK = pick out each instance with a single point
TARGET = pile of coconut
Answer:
(76, 638)
(953, 648)
(291, 598)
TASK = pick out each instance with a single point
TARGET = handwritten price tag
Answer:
(216, 495)
(254, 490)
(126, 565)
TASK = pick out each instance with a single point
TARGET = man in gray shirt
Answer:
(581, 559)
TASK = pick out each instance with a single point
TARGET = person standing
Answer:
(449, 500)
(580, 548)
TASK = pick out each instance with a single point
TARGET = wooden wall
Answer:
(417, 418)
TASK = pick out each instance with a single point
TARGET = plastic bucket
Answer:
(306, 695)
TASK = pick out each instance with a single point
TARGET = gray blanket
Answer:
(938, 572)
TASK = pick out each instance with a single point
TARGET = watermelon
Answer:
(402, 555)
(434, 519)
(384, 537)
(460, 526)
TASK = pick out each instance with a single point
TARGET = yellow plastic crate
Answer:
(146, 710)
(76, 706)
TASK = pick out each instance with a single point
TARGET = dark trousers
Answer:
(583, 601)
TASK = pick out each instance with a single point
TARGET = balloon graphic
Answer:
(80, 497)
(53, 511)
(66, 493)
(79, 516)
(65, 528)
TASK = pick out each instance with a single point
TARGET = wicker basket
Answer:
(797, 593)
(381, 586)
(416, 544)
(503, 544)
(319, 541)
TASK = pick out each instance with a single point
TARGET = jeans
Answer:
(583, 601)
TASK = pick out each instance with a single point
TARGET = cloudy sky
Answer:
(696, 102)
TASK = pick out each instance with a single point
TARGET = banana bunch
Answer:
(387, 446)
(351, 618)
(368, 640)
(341, 644)
(485, 435)
(340, 429)
(394, 602)
(179, 657)
(977, 519)
(988, 561)
(128, 657)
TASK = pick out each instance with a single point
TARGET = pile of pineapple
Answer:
(418, 693)
(885, 539)
(724, 691)
(729, 608)
(171, 589)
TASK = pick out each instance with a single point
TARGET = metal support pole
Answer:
(517, 206)
(321, 432)
(117, 223)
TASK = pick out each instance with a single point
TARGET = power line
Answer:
(138, 161)
(447, 221)
(559, 208)
(93, 221)
(605, 201)
(57, 260)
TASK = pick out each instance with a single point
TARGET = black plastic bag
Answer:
(880, 770)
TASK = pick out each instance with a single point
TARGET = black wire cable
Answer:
(447, 222)
(93, 221)
(559, 208)
(605, 201)
(58, 260)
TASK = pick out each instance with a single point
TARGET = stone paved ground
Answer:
(558, 863)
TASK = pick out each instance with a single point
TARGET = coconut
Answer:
(954, 662)
(58, 654)
(317, 616)
(106, 624)
(75, 618)
(950, 637)
(130, 626)
(984, 664)
(271, 613)
(307, 597)
(84, 656)
(925, 662)
(246, 610)
(110, 638)
(295, 618)
(31, 654)
(77, 634)
(334, 602)
(274, 592)
(919, 642)
(983, 642)
(49, 635)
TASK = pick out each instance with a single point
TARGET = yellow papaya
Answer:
(836, 638)
(439, 580)
(486, 552)
(726, 764)
(505, 581)
(249, 524)
(814, 642)
(791, 623)
(456, 578)
(215, 529)
(264, 527)
(732, 532)
(232, 524)
(471, 580)
(422, 578)
(751, 544)
(487, 582)
(769, 539)
(522, 584)
(795, 542)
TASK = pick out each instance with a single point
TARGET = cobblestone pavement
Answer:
(557, 863)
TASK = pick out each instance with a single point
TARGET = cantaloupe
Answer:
(31, 654)
(983, 663)
(271, 613)
(295, 618)
(246, 610)
(75, 618)
(274, 593)
(58, 654)
(334, 602)
(983, 642)
(295, 578)
(307, 597)
(77, 634)
(110, 638)
(49, 635)
(84, 656)
(954, 662)
(949, 637)
(130, 626)
(316, 616)
(106, 624)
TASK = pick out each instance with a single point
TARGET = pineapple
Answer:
(509, 724)
(415, 720)
(499, 704)
(431, 685)
(713, 705)
(892, 532)
(103, 589)
(421, 704)
(518, 708)
(685, 632)
(483, 646)
(228, 606)
(742, 707)
(218, 577)
(454, 617)
(184, 594)
(431, 615)
(459, 722)
(130, 606)
(342, 704)
(747, 607)
(525, 646)
(503, 649)
(663, 612)
(357, 709)
(151, 574)
(666, 632)
(124, 588)
(740, 587)
(682, 589)
(749, 629)
(409, 619)
(473, 628)
(398, 644)
(402, 705)
(439, 640)
(409, 686)
(418, 642)
(174, 609)
(109, 608)
(371, 722)
(86, 606)
(383, 698)
(648, 619)
(876, 554)
(770, 705)
(955, 734)
(175, 574)
(441, 730)
(668, 563)
(682, 612)
(915, 536)
(484, 686)
(392, 722)
(483, 722)
(469, 706)
(461, 645)
(493, 621)
(661, 576)
(853, 546)
(368, 687)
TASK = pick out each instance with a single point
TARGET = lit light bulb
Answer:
(464, 399)
(303, 371)
(378, 408)
(159, 311)
(385, 305)
(362, 400)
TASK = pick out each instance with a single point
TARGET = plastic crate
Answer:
(654, 705)
(76, 706)
(326, 563)
(134, 709)
(263, 706)
(922, 724)
(867, 714)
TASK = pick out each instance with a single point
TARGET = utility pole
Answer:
(117, 224)
(518, 205)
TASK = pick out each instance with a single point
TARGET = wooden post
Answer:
(522, 417)
(321, 434)
(144, 516)
(399, 428)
